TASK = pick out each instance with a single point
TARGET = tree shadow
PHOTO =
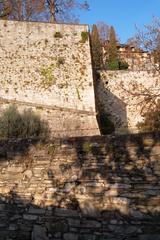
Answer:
(16, 148)
(97, 188)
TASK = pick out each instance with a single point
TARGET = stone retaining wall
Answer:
(62, 122)
(50, 65)
(99, 188)
(126, 96)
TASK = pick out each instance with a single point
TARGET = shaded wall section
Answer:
(81, 188)
(126, 96)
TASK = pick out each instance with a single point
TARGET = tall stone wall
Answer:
(49, 65)
(125, 95)
(95, 188)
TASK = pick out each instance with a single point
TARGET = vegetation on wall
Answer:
(47, 74)
(123, 65)
(84, 36)
(27, 124)
(58, 35)
(60, 61)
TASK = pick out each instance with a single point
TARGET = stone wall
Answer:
(50, 65)
(61, 121)
(124, 94)
(99, 188)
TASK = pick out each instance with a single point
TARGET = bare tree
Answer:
(133, 42)
(46, 10)
(21, 9)
(147, 97)
(63, 10)
(148, 37)
(103, 30)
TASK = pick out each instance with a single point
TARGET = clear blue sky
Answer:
(122, 14)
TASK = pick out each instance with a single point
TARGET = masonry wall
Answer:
(50, 65)
(81, 189)
(124, 94)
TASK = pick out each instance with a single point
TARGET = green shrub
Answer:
(113, 65)
(123, 65)
(87, 147)
(24, 125)
(60, 61)
(84, 36)
(48, 75)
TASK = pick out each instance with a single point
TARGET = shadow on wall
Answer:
(97, 188)
(109, 106)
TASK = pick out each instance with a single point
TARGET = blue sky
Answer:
(123, 14)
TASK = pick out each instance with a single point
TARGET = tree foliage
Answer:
(96, 48)
(41, 10)
(113, 63)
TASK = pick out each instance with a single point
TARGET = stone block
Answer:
(70, 236)
(30, 217)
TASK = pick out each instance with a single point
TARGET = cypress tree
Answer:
(113, 63)
(96, 48)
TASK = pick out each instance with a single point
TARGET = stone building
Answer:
(136, 58)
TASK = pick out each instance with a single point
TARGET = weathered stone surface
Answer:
(87, 237)
(36, 211)
(115, 91)
(52, 75)
(13, 227)
(150, 237)
(39, 233)
(30, 217)
(70, 236)
(126, 205)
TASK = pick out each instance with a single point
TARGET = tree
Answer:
(132, 42)
(148, 39)
(22, 10)
(96, 48)
(147, 96)
(4, 9)
(63, 10)
(113, 63)
(41, 10)
(103, 30)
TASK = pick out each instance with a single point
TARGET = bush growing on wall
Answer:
(14, 124)
(123, 65)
